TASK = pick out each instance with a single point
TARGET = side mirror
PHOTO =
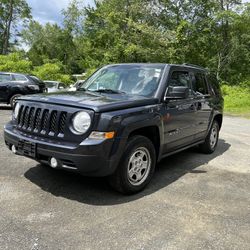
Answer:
(177, 92)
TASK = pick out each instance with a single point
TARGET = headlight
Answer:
(33, 87)
(81, 122)
(16, 110)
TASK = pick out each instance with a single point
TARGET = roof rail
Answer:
(194, 65)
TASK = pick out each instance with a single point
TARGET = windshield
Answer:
(130, 79)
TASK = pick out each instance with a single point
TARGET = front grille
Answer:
(42, 121)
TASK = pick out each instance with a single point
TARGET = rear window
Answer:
(5, 77)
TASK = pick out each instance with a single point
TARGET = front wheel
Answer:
(211, 140)
(136, 167)
(13, 100)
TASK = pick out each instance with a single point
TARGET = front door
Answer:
(179, 115)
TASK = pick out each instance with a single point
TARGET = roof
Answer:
(162, 65)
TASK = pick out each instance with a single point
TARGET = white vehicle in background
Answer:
(74, 86)
(55, 86)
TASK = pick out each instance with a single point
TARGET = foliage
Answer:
(213, 34)
(12, 14)
(237, 98)
(15, 63)
(52, 71)
(122, 31)
(50, 42)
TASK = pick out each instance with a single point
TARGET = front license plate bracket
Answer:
(26, 148)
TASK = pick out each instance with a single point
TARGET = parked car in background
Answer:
(54, 86)
(74, 86)
(14, 85)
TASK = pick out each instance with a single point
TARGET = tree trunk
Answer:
(6, 35)
(224, 50)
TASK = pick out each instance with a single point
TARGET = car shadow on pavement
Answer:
(96, 191)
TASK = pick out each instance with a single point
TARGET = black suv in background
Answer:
(13, 85)
(120, 122)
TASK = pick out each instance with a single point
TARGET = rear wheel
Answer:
(211, 140)
(136, 167)
(13, 100)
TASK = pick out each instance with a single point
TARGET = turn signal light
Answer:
(102, 135)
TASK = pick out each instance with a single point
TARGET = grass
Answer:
(237, 100)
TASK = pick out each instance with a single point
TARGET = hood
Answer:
(96, 101)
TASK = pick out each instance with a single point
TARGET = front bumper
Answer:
(90, 158)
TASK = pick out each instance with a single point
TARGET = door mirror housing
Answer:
(177, 92)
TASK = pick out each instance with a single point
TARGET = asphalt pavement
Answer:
(194, 201)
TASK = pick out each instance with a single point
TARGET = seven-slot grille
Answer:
(42, 121)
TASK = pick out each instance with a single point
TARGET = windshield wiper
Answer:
(109, 91)
(81, 89)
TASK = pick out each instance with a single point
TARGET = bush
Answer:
(53, 72)
(15, 63)
(237, 98)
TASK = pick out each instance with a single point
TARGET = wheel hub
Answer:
(213, 137)
(139, 166)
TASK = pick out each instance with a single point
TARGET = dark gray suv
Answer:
(120, 122)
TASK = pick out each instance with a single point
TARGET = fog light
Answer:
(53, 162)
(13, 149)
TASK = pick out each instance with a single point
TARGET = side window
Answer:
(20, 78)
(180, 79)
(199, 84)
(5, 77)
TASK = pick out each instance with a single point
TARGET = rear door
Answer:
(202, 102)
(5, 79)
(179, 115)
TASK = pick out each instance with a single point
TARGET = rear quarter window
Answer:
(20, 78)
(214, 84)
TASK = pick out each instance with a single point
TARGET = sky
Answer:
(50, 10)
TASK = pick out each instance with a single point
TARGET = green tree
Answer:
(122, 31)
(50, 42)
(212, 33)
(12, 12)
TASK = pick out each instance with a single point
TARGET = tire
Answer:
(137, 166)
(211, 141)
(13, 100)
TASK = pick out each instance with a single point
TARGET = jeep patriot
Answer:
(120, 122)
